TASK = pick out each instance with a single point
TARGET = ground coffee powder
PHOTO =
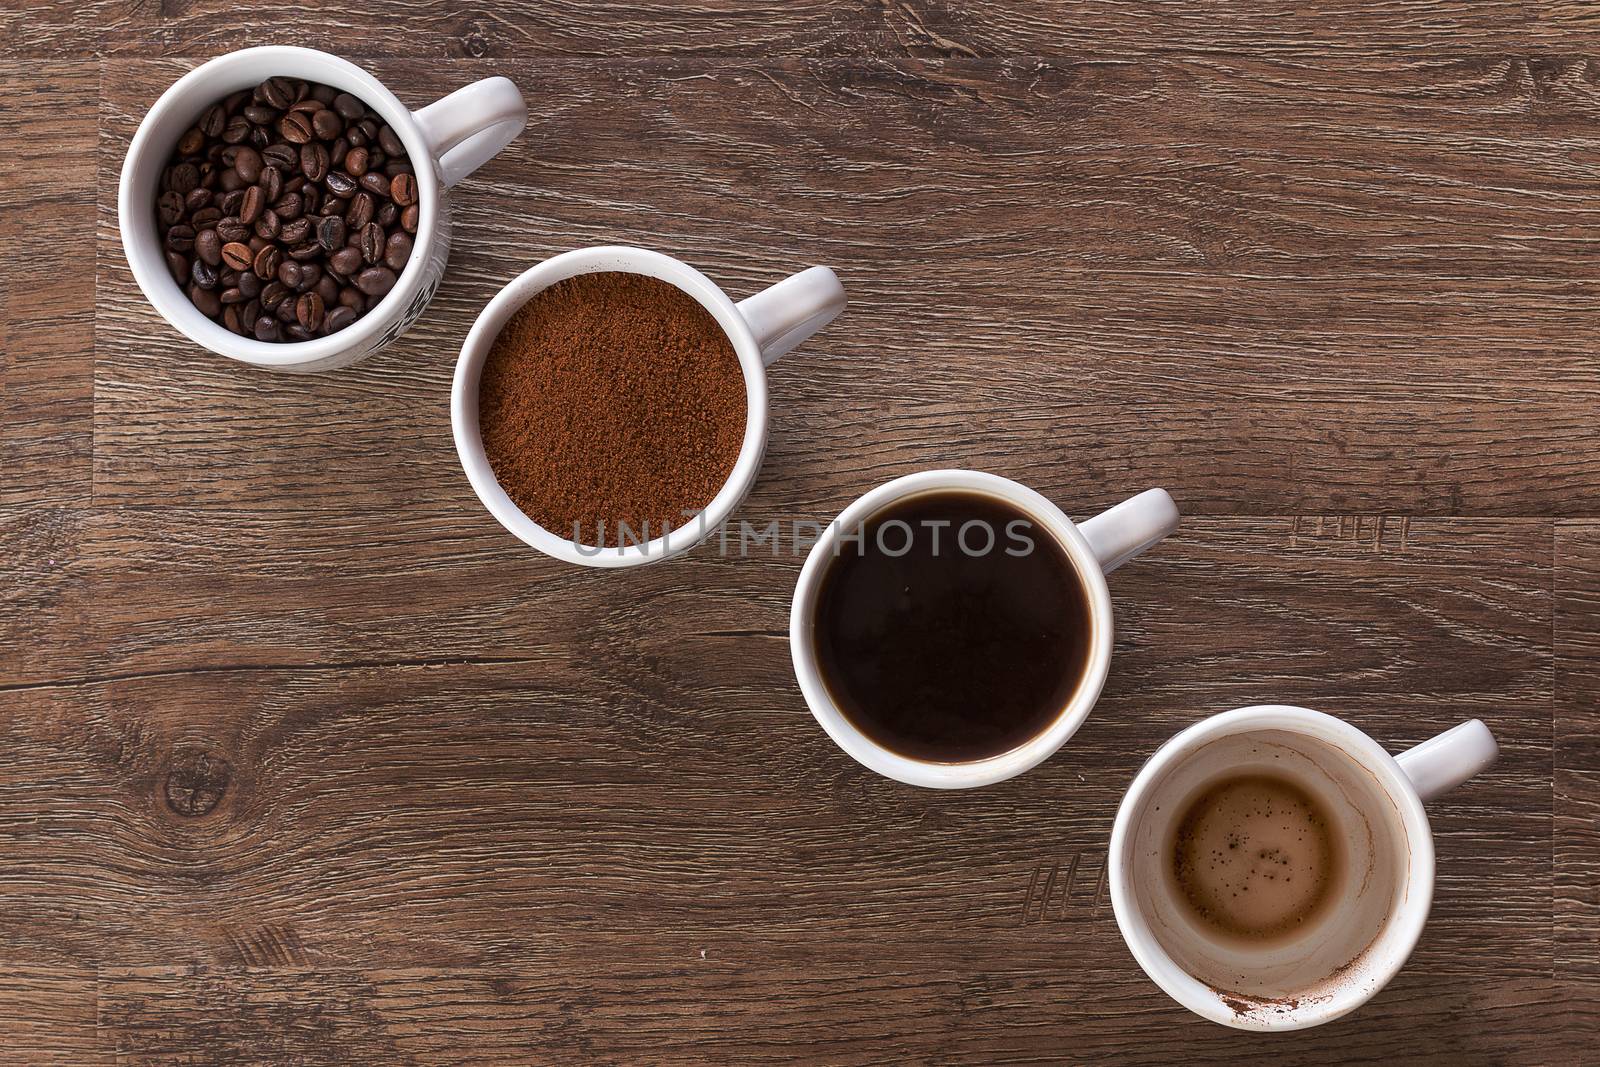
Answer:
(612, 398)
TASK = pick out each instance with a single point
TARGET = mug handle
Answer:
(1443, 762)
(784, 315)
(472, 125)
(1130, 529)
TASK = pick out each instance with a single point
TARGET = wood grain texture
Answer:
(1222, 277)
(798, 28)
(1577, 754)
(737, 1006)
(366, 812)
(304, 760)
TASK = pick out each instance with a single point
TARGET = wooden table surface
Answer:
(304, 760)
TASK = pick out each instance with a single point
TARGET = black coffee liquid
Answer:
(955, 629)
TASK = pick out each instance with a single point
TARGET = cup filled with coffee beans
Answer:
(610, 404)
(1272, 867)
(953, 628)
(281, 207)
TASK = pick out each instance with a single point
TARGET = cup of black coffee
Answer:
(953, 629)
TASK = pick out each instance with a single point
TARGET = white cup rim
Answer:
(487, 326)
(169, 299)
(975, 773)
(1401, 929)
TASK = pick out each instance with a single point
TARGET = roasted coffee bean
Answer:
(276, 92)
(289, 206)
(283, 156)
(295, 230)
(397, 251)
(230, 319)
(314, 161)
(256, 243)
(326, 124)
(205, 218)
(260, 115)
(398, 166)
(271, 183)
(266, 262)
(237, 256)
(229, 181)
(285, 311)
(228, 279)
(231, 229)
(346, 261)
(177, 266)
(245, 160)
(338, 152)
(295, 127)
(331, 233)
(183, 178)
(348, 107)
(234, 295)
(389, 141)
(169, 207)
(191, 141)
(356, 161)
(307, 107)
(294, 182)
(360, 212)
(340, 184)
(268, 224)
(205, 301)
(375, 185)
(237, 131)
(324, 94)
(308, 309)
(289, 273)
(250, 207)
(208, 246)
(230, 200)
(204, 274)
(305, 250)
(212, 122)
(375, 281)
(312, 194)
(328, 289)
(273, 294)
(249, 284)
(310, 276)
(372, 243)
(195, 200)
(180, 238)
(409, 218)
(250, 311)
(296, 332)
(387, 215)
(352, 299)
(403, 189)
(337, 319)
(266, 329)
(357, 137)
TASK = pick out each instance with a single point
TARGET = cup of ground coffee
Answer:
(610, 404)
(952, 629)
(327, 209)
(1272, 867)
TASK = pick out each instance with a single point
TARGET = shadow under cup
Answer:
(1342, 952)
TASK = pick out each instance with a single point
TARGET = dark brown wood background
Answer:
(304, 760)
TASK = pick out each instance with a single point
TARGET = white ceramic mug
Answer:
(1374, 802)
(445, 141)
(1095, 547)
(761, 328)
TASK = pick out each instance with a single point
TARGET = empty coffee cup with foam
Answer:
(1314, 818)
